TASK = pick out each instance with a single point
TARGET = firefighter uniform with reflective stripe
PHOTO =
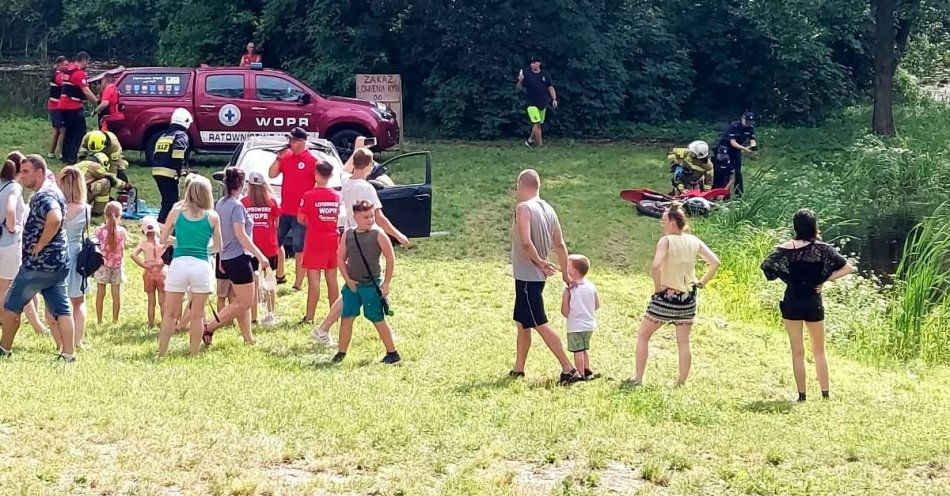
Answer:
(168, 159)
(117, 162)
(99, 181)
(696, 172)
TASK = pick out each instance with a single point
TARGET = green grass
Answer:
(275, 419)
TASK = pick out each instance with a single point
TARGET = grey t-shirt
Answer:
(543, 223)
(7, 189)
(231, 212)
(369, 242)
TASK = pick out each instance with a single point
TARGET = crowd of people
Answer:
(234, 247)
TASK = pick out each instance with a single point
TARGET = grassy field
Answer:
(276, 419)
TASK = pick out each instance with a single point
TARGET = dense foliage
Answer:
(794, 61)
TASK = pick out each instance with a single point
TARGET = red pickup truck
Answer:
(230, 104)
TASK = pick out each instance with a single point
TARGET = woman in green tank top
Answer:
(195, 224)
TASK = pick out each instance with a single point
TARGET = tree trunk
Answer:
(885, 62)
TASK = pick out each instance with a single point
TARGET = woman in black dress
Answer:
(804, 264)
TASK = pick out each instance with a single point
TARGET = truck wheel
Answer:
(343, 141)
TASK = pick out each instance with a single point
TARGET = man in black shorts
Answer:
(538, 90)
(535, 232)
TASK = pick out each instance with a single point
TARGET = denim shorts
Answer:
(288, 225)
(52, 285)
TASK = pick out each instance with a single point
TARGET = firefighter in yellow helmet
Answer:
(96, 169)
(113, 149)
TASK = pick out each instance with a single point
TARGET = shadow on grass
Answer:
(772, 406)
(502, 382)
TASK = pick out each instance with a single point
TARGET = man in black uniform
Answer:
(739, 137)
(724, 175)
(538, 90)
(168, 159)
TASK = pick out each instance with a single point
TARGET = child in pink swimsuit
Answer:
(148, 255)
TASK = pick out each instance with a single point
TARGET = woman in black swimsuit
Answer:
(804, 264)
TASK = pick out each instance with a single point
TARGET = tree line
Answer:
(792, 61)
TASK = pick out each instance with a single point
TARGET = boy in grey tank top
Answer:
(534, 234)
(366, 288)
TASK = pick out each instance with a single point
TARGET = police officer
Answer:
(96, 170)
(168, 159)
(739, 137)
(724, 175)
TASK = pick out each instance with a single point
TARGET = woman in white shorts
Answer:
(13, 211)
(194, 223)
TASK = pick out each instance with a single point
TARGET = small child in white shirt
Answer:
(579, 305)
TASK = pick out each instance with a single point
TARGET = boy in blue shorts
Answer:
(358, 260)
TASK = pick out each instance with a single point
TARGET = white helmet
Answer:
(699, 148)
(182, 117)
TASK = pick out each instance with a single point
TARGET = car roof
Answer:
(197, 69)
(257, 142)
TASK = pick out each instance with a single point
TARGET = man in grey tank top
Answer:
(534, 234)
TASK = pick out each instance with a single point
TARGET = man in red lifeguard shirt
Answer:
(251, 56)
(320, 212)
(299, 169)
(110, 117)
(55, 92)
(75, 92)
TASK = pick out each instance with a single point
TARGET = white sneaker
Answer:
(269, 320)
(323, 337)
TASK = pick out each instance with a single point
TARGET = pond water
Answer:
(880, 244)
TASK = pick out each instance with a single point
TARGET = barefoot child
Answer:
(263, 210)
(579, 305)
(111, 237)
(319, 211)
(358, 259)
(148, 256)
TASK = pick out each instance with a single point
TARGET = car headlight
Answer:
(383, 113)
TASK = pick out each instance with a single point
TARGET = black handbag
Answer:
(90, 257)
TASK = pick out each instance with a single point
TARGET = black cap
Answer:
(297, 133)
(534, 58)
(722, 152)
(749, 117)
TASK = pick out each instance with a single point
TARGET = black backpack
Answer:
(90, 257)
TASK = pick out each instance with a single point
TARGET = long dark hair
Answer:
(233, 180)
(805, 223)
(11, 165)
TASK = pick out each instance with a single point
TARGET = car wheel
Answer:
(343, 141)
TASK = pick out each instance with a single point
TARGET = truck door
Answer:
(222, 109)
(408, 204)
(280, 104)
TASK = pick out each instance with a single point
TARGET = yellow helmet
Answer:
(96, 141)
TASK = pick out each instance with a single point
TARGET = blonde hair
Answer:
(112, 213)
(580, 263)
(198, 195)
(73, 184)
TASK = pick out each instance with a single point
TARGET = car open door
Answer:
(408, 204)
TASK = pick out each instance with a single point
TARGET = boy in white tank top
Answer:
(579, 305)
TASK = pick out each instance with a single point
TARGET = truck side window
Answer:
(225, 85)
(277, 89)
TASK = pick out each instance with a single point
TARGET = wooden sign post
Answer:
(383, 88)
